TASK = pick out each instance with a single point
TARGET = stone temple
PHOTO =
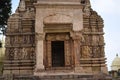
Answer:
(55, 37)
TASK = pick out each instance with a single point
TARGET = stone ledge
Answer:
(19, 34)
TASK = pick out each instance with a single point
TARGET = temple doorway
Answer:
(58, 58)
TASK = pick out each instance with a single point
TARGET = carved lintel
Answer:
(58, 37)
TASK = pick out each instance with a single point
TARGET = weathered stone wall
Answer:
(20, 41)
(92, 48)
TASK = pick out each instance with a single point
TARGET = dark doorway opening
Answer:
(58, 58)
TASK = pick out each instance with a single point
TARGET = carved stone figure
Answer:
(32, 39)
(87, 7)
(101, 40)
(16, 52)
(24, 53)
(95, 40)
(7, 41)
(86, 52)
(96, 52)
(102, 52)
(22, 5)
(26, 39)
(88, 39)
(11, 53)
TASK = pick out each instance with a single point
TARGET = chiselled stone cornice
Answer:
(92, 33)
(62, 5)
(20, 45)
(16, 34)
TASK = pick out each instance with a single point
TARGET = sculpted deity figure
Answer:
(86, 52)
(11, 53)
(101, 39)
(16, 39)
(26, 39)
(102, 52)
(17, 53)
(96, 52)
(95, 40)
(22, 5)
(24, 53)
(87, 7)
(7, 41)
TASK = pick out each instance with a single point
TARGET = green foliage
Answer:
(1, 63)
(5, 11)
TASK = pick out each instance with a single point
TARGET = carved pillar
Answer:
(49, 54)
(77, 51)
(67, 54)
(39, 52)
(77, 39)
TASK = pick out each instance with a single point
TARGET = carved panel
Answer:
(7, 41)
(86, 52)
(96, 52)
(101, 40)
(9, 53)
(28, 53)
(95, 39)
(17, 53)
(49, 58)
(58, 18)
(88, 39)
(57, 37)
(102, 52)
(93, 46)
(67, 54)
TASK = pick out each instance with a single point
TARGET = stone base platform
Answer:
(72, 77)
(55, 77)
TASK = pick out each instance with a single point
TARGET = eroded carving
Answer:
(58, 18)
(86, 52)
(57, 37)
(39, 36)
(17, 53)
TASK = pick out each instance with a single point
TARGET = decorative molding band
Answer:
(96, 33)
(17, 34)
(20, 45)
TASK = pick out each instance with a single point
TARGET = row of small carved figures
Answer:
(20, 53)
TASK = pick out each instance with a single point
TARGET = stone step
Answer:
(53, 77)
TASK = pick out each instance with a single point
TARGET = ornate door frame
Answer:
(67, 49)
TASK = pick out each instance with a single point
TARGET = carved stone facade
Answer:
(42, 31)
